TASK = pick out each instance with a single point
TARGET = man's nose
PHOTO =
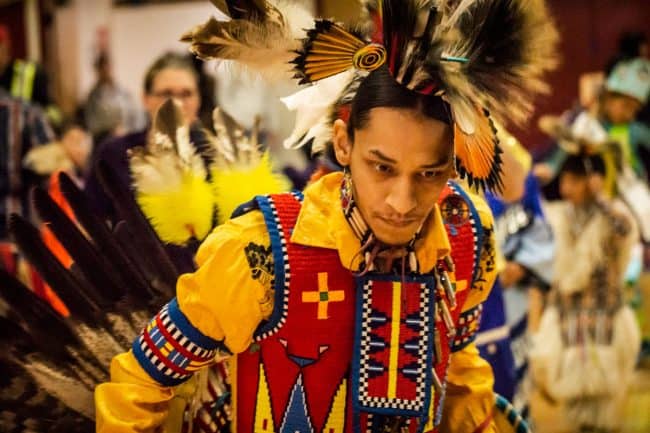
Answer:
(402, 196)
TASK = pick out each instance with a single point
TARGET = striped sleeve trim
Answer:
(170, 349)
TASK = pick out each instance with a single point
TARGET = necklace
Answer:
(376, 255)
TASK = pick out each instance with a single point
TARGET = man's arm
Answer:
(218, 307)
(469, 403)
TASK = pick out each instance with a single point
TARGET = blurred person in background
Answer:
(609, 126)
(625, 92)
(170, 76)
(207, 91)
(25, 80)
(525, 241)
(69, 154)
(586, 312)
(109, 109)
(22, 128)
(523, 248)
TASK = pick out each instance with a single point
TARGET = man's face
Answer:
(399, 163)
(620, 108)
(174, 83)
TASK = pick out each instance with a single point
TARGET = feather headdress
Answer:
(257, 36)
(484, 57)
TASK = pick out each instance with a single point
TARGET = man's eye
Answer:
(430, 174)
(382, 168)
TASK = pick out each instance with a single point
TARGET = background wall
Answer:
(12, 15)
(137, 34)
(589, 31)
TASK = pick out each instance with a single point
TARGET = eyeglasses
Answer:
(167, 94)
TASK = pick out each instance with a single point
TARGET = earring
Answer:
(352, 213)
(454, 174)
(346, 190)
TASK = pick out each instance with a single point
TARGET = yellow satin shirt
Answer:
(225, 302)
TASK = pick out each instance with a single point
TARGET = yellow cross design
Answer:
(323, 296)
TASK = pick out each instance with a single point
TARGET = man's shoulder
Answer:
(475, 201)
(242, 233)
(251, 221)
(247, 227)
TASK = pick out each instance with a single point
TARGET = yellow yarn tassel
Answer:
(235, 184)
(180, 213)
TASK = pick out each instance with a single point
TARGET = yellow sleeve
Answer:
(470, 400)
(131, 401)
(223, 301)
(230, 293)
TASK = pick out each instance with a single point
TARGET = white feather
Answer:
(185, 149)
(162, 172)
(222, 143)
(464, 115)
(313, 105)
(298, 18)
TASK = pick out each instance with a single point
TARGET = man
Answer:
(353, 307)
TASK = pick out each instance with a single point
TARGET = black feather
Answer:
(17, 393)
(144, 237)
(105, 287)
(33, 327)
(493, 30)
(509, 45)
(138, 289)
(68, 287)
(36, 316)
(163, 287)
(26, 408)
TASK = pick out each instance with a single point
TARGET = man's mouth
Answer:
(398, 222)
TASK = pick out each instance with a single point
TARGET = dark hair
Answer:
(379, 89)
(629, 44)
(168, 60)
(101, 61)
(581, 165)
(629, 47)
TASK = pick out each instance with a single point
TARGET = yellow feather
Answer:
(236, 184)
(180, 213)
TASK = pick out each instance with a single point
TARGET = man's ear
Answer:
(342, 143)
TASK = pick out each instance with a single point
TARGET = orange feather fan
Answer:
(478, 155)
